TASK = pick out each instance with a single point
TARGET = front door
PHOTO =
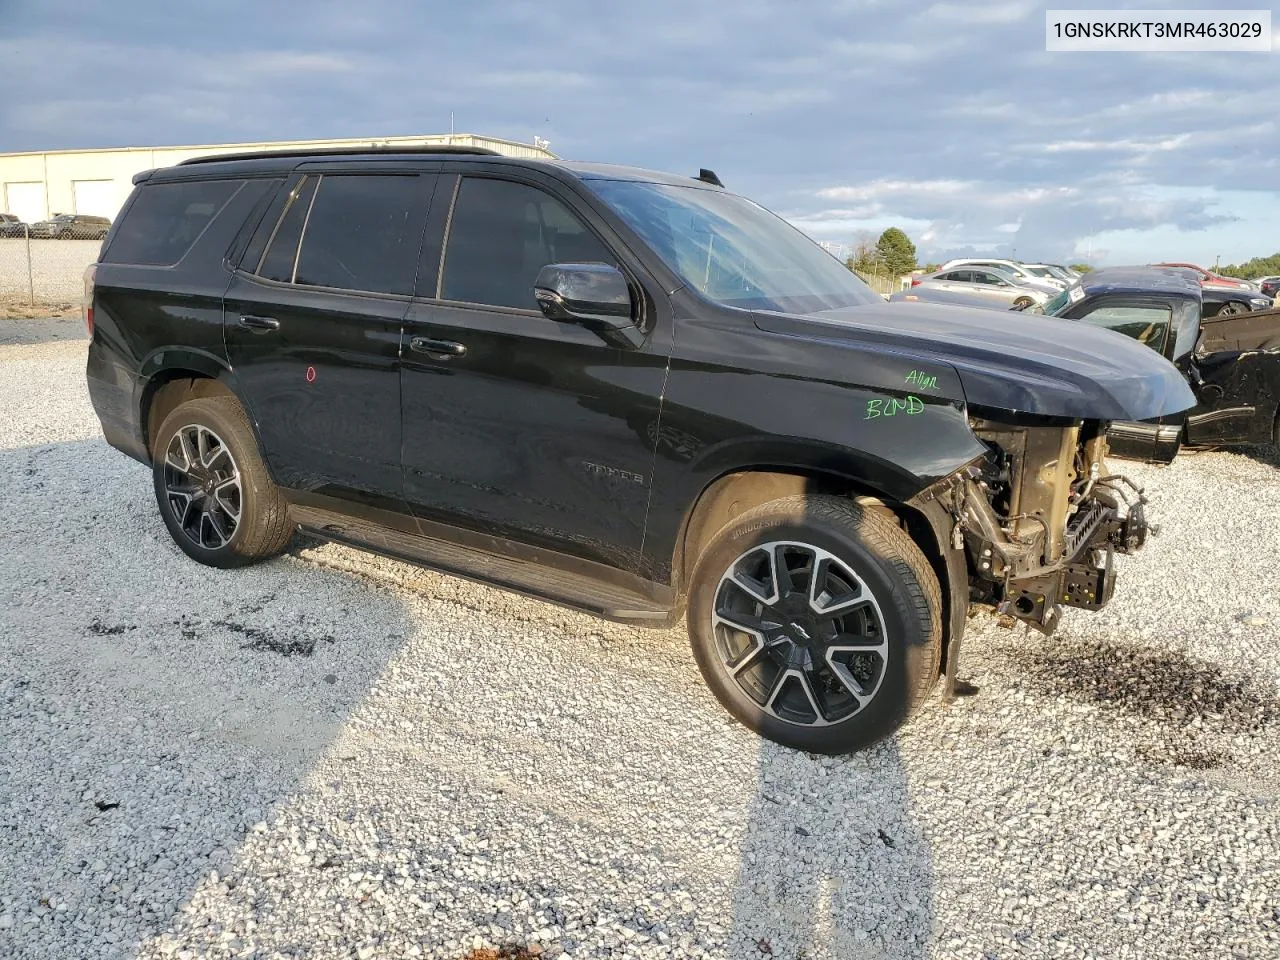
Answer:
(313, 326)
(517, 426)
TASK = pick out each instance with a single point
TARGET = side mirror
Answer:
(594, 295)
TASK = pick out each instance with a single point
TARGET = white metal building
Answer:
(36, 186)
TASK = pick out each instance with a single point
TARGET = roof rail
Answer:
(304, 152)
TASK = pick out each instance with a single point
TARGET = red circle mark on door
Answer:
(311, 374)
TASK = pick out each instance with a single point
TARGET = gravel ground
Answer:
(333, 755)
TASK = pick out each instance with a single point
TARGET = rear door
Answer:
(312, 325)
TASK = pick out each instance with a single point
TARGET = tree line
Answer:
(894, 255)
(1252, 269)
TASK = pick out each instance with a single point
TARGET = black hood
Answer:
(1013, 361)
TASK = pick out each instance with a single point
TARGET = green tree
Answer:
(1080, 267)
(865, 259)
(896, 252)
(1251, 269)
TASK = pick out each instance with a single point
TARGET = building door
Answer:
(26, 200)
(95, 198)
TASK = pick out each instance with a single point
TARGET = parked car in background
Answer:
(997, 286)
(1008, 266)
(1060, 276)
(633, 393)
(1219, 300)
(1207, 276)
(71, 226)
(941, 294)
(1269, 286)
(1230, 360)
(12, 226)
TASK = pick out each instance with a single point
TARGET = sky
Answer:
(948, 120)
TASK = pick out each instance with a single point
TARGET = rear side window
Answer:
(282, 245)
(358, 235)
(502, 234)
(165, 220)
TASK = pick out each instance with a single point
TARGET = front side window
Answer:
(165, 219)
(733, 251)
(1148, 323)
(502, 234)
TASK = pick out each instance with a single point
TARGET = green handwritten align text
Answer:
(892, 406)
(922, 380)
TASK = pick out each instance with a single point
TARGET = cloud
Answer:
(953, 118)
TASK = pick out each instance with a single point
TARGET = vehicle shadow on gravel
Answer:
(152, 712)
(833, 867)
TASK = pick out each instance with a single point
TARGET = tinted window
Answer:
(282, 247)
(1146, 324)
(166, 218)
(502, 234)
(358, 235)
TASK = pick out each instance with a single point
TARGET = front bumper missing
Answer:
(1010, 572)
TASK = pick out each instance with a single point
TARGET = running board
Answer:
(569, 589)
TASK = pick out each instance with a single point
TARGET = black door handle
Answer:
(440, 349)
(259, 324)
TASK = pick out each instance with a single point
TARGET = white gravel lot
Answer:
(333, 755)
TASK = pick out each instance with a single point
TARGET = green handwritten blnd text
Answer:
(892, 406)
(922, 380)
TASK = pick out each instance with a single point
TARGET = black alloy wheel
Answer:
(800, 633)
(202, 483)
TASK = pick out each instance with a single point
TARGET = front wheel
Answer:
(816, 622)
(1232, 308)
(214, 493)
(1022, 303)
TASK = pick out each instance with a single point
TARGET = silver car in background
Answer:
(1017, 268)
(996, 286)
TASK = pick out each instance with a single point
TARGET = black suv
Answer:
(636, 394)
(71, 226)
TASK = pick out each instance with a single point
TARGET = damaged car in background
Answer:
(634, 393)
(1231, 359)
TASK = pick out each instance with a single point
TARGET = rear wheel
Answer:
(816, 622)
(1022, 303)
(214, 493)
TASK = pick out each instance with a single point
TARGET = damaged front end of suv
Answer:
(1037, 516)
(1040, 518)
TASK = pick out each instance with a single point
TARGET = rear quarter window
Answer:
(165, 220)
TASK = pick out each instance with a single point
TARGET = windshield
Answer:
(1038, 271)
(734, 251)
(1058, 303)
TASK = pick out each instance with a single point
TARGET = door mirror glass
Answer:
(594, 295)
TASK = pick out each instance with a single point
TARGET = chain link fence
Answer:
(44, 263)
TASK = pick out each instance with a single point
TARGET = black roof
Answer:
(1139, 280)
(305, 153)
(267, 162)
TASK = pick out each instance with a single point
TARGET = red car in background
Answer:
(1208, 277)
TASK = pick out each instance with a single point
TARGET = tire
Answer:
(1022, 303)
(785, 670)
(1232, 308)
(214, 521)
